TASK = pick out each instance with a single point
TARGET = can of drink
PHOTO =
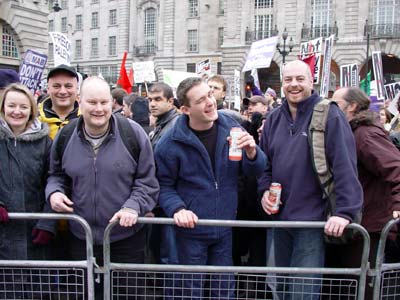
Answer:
(235, 153)
(275, 196)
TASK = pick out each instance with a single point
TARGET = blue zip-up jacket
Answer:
(289, 163)
(101, 184)
(187, 179)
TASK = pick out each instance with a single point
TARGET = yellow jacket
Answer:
(47, 115)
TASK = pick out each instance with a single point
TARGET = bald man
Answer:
(285, 141)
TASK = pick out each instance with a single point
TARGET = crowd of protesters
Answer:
(107, 155)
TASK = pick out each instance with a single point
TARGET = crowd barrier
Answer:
(27, 279)
(34, 279)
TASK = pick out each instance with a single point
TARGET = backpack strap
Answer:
(317, 146)
(64, 135)
(126, 131)
(128, 136)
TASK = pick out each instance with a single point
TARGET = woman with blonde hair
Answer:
(24, 152)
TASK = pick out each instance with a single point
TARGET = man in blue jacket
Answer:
(97, 178)
(285, 141)
(197, 180)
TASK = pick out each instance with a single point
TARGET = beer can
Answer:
(235, 154)
(275, 196)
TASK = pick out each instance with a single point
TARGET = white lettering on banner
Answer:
(327, 66)
(31, 69)
(391, 90)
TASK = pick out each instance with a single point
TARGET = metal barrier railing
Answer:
(173, 277)
(387, 275)
(49, 279)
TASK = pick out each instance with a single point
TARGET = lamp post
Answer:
(284, 52)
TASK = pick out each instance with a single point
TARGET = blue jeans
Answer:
(214, 252)
(298, 247)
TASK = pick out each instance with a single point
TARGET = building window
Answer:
(64, 24)
(220, 36)
(112, 45)
(263, 26)
(78, 22)
(64, 4)
(78, 3)
(95, 1)
(95, 19)
(51, 25)
(94, 52)
(264, 3)
(150, 30)
(384, 17)
(192, 40)
(78, 49)
(51, 51)
(321, 17)
(193, 8)
(219, 68)
(191, 67)
(221, 7)
(9, 47)
(113, 17)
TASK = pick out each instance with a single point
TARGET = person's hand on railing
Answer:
(3, 215)
(127, 217)
(335, 226)
(61, 203)
(396, 214)
(41, 237)
(185, 218)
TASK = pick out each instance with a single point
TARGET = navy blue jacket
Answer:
(102, 184)
(289, 163)
(187, 179)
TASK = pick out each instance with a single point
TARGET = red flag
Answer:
(123, 80)
(310, 61)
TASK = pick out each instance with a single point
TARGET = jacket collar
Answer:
(48, 112)
(36, 131)
(165, 118)
(303, 106)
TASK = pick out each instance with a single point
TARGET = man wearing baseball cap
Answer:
(256, 104)
(61, 105)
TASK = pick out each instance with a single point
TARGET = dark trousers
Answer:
(129, 250)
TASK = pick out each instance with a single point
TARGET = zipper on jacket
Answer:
(95, 191)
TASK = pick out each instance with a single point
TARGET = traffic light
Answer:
(248, 90)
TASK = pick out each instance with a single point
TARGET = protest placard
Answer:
(144, 71)
(31, 69)
(378, 74)
(349, 75)
(313, 47)
(326, 72)
(261, 53)
(61, 49)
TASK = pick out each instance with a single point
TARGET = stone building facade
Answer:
(178, 34)
(23, 26)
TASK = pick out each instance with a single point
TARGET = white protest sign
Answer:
(327, 66)
(309, 48)
(349, 75)
(392, 90)
(61, 49)
(204, 67)
(261, 53)
(144, 71)
(174, 78)
(378, 74)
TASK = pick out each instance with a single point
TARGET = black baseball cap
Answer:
(62, 69)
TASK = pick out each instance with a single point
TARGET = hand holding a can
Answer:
(241, 140)
(185, 218)
(272, 199)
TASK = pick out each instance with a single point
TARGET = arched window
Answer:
(9, 47)
(150, 30)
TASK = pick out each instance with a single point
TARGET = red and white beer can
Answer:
(275, 191)
(235, 153)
